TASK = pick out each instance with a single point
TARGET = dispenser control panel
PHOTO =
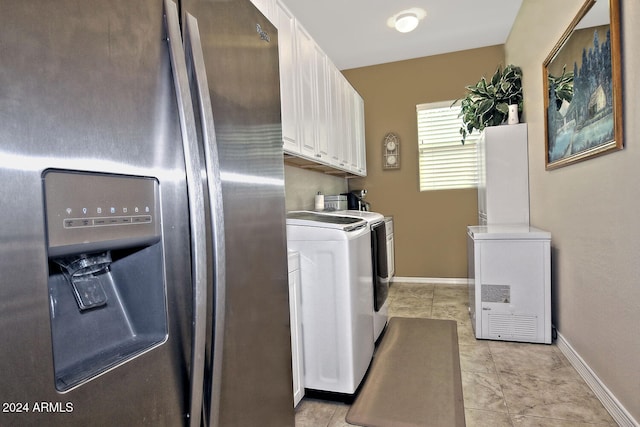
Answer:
(93, 211)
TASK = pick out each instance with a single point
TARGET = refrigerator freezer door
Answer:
(87, 86)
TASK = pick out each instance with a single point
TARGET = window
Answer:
(444, 162)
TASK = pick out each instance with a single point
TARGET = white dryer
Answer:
(336, 298)
(380, 271)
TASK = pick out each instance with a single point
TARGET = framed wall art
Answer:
(391, 151)
(583, 87)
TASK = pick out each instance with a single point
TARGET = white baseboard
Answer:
(609, 401)
(436, 280)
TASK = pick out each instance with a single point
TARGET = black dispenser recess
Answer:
(107, 295)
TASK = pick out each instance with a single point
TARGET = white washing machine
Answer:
(380, 271)
(336, 298)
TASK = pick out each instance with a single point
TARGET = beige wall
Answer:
(591, 209)
(429, 227)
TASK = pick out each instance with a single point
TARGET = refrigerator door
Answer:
(239, 47)
(87, 101)
(200, 257)
(217, 260)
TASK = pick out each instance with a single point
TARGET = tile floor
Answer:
(504, 383)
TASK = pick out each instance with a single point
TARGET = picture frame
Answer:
(583, 87)
(391, 151)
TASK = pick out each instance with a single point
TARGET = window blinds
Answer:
(444, 163)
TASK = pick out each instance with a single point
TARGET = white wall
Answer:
(591, 208)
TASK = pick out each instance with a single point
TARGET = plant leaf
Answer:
(496, 77)
(506, 86)
(484, 106)
(503, 107)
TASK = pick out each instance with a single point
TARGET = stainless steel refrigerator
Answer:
(143, 275)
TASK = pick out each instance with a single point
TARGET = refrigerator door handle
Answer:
(196, 203)
(195, 57)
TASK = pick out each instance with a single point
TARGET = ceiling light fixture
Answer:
(406, 20)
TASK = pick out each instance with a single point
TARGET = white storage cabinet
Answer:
(503, 175)
(322, 114)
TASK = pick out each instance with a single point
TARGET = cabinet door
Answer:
(334, 117)
(321, 99)
(342, 112)
(353, 147)
(347, 128)
(306, 96)
(288, 78)
(359, 136)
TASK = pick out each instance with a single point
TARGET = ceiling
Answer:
(354, 33)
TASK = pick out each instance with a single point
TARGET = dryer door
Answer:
(379, 264)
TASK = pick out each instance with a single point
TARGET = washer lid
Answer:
(315, 219)
(370, 217)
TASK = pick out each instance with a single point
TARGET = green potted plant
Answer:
(487, 102)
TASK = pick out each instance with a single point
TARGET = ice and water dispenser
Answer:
(106, 278)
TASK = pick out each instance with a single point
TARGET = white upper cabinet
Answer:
(285, 21)
(322, 115)
(307, 93)
(346, 125)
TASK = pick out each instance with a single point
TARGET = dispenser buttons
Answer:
(107, 221)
